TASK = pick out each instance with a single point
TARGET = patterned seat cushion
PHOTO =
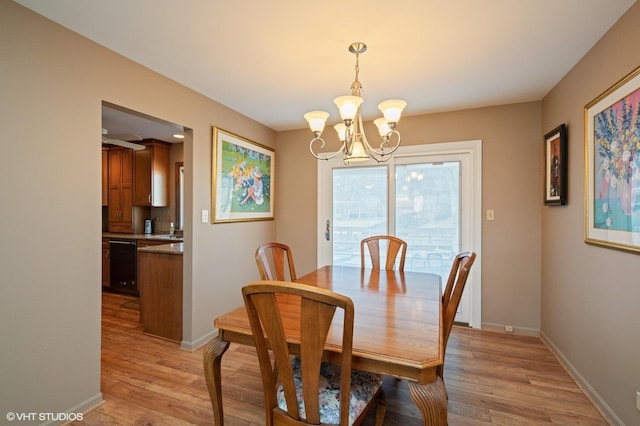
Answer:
(363, 386)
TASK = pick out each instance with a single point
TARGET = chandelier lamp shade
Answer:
(355, 146)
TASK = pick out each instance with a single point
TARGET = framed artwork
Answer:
(612, 166)
(242, 179)
(555, 182)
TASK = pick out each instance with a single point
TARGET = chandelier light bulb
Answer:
(348, 106)
(383, 126)
(358, 153)
(316, 120)
(341, 129)
(392, 109)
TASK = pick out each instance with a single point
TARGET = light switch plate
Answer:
(491, 215)
(205, 216)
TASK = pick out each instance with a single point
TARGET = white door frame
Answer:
(472, 148)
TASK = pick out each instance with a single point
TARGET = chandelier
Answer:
(355, 146)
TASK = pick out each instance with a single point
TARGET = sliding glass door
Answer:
(427, 212)
(360, 209)
(425, 198)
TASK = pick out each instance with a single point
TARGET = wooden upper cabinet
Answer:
(120, 190)
(151, 174)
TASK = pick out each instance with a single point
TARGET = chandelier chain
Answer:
(356, 86)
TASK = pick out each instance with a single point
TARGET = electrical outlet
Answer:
(508, 328)
(205, 216)
(638, 400)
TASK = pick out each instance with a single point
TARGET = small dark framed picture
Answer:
(555, 180)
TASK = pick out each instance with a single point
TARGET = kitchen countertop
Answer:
(172, 248)
(163, 237)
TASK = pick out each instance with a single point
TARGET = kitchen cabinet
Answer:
(160, 284)
(106, 255)
(120, 190)
(105, 177)
(123, 216)
(151, 174)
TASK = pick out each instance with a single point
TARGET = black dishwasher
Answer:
(123, 266)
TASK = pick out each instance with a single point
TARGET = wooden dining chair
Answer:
(434, 395)
(453, 293)
(274, 260)
(394, 246)
(303, 389)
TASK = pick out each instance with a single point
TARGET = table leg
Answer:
(212, 357)
(431, 399)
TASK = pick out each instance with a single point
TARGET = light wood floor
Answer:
(492, 379)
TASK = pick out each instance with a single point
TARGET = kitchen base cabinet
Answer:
(105, 177)
(160, 286)
(106, 258)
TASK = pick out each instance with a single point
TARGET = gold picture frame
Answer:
(243, 179)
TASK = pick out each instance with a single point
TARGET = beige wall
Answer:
(53, 83)
(591, 294)
(511, 145)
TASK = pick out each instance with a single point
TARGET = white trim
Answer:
(84, 407)
(490, 326)
(196, 344)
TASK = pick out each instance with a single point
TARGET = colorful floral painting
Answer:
(612, 166)
(242, 179)
(617, 165)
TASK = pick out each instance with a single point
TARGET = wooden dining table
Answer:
(397, 331)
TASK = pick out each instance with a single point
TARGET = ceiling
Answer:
(275, 60)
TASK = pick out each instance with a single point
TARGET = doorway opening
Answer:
(139, 128)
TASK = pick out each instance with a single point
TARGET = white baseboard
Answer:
(606, 411)
(516, 329)
(81, 408)
(196, 344)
